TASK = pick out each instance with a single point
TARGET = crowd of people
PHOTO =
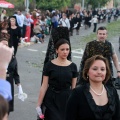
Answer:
(36, 25)
(65, 93)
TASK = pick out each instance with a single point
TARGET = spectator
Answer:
(27, 26)
(21, 17)
(3, 14)
(38, 32)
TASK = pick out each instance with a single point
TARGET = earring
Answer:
(87, 76)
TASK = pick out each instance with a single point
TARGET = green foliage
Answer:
(73, 2)
(113, 30)
(16, 2)
(97, 3)
(52, 4)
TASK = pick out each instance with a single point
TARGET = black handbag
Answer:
(117, 83)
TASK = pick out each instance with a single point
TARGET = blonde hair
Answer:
(12, 19)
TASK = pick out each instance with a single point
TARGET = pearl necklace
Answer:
(96, 92)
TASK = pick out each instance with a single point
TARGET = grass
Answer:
(113, 30)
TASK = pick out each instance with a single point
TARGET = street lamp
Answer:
(27, 5)
(83, 4)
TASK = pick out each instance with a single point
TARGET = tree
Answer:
(116, 3)
(16, 2)
(97, 3)
(73, 2)
(20, 4)
(52, 4)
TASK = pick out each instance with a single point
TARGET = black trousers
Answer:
(95, 27)
(24, 31)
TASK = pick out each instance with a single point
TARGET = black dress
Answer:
(12, 75)
(81, 105)
(15, 35)
(60, 80)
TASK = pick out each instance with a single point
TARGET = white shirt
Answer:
(21, 20)
(65, 22)
(94, 20)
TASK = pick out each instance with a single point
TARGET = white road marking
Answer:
(16, 94)
(44, 51)
(77, 57)
(78, 51)
(118, 62)
(33, 50)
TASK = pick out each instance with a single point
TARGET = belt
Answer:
(57, 90)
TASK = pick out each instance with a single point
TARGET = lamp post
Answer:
(27, 5)
(83, 4)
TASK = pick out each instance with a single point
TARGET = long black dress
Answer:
(56, 35)
(12, 75)
(60, 80)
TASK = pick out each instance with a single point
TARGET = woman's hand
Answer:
(39, 112)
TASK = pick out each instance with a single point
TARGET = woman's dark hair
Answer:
(3, 107)
(90, 61)
(4, 25)
(4, 36)
(60, 42)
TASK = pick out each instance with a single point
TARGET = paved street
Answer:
(30, 64)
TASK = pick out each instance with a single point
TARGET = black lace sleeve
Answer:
(80, 79)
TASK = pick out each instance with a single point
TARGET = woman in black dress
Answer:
(59, 77)
(15, 34)
(12, 69)
(78, 21)
(95, 100)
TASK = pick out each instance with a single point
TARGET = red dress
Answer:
(28, 29)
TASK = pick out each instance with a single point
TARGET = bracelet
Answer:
(118, 71)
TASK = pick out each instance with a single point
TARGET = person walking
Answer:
(11, 72)
(94, 100)
(94, 21)
(15, 34)
(78, 21)
(101, 46)
(59, 77)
